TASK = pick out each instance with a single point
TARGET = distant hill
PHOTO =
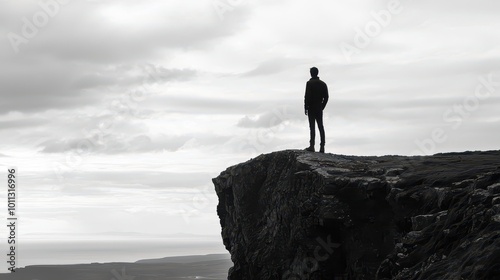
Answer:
(188, 259)
(173, 268)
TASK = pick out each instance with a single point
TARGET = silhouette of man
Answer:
(315, 101)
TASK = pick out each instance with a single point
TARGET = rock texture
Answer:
(299, 215)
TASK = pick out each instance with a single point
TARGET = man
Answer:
(315, 101)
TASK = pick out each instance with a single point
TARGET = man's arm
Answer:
(306, 99)
(325, 97)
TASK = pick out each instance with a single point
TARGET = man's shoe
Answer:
(310, 149)
(322, 149)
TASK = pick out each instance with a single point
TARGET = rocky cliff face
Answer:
(300, 215)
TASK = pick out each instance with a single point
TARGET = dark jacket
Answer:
(316, 95)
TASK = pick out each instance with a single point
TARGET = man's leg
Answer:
(319, 120)
(312, 128)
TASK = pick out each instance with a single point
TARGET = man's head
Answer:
(314, 72)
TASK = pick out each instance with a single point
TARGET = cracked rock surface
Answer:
(299, 215)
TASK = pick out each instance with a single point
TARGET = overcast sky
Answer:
(118, 113)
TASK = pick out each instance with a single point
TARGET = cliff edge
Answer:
(300, 215)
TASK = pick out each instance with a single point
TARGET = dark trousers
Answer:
(316, 116)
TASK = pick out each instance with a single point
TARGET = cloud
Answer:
(274, 66)
(22, 123)
(112, 144)
(105, 182)
(199, 104)
(88, 50)
(274, 117)
(110, 32)
(54, 86)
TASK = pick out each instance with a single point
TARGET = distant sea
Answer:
(80, 252)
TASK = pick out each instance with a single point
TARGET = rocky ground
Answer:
(301, 215)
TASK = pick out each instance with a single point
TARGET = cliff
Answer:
(300, 215)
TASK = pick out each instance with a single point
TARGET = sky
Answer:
(117, 114)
